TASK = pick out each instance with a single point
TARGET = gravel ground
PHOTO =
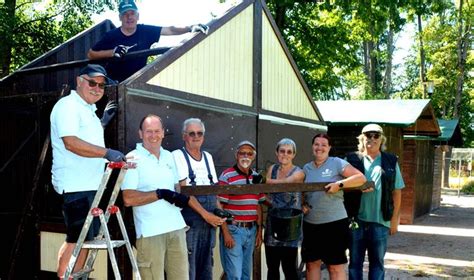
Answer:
(439, 245)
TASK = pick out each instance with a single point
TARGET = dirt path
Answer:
(439, 245)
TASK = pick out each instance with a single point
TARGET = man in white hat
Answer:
(374, 215)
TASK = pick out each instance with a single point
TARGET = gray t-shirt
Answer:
(325, 207)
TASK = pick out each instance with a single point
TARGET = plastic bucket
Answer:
(285, 223)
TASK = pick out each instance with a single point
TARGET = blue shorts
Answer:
(76, 206)
(327, 242)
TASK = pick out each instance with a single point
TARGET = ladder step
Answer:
(81, 273)
(102, 244)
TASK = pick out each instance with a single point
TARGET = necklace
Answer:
(318, 165)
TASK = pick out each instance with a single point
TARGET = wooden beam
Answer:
(263, 188)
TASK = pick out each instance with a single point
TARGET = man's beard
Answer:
(245, 163)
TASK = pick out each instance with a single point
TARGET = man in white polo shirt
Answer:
(77, 138)
(159, 225)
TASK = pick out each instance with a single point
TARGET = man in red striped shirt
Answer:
(239, 237)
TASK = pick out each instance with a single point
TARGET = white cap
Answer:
(372, 128)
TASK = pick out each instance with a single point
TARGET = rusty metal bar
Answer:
(264, 188)
(80, 63)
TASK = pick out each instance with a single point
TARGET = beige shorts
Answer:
(163, 253)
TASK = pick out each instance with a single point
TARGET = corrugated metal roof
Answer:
(388, 111)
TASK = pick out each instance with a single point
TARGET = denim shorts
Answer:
(76, 206)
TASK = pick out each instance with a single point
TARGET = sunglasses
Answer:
(93, 83)
(248, 154)
(374, 135)
(195, 134)
(283, 151)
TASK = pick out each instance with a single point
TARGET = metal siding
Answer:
(269, 133)
(223, 131)
(281, 89)
(219, 67)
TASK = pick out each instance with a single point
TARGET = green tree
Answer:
(448, 58)
(28, 32)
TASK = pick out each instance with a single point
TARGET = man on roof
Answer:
(131, 36)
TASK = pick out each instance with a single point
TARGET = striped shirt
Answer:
(243, 206)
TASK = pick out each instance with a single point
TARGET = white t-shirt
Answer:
(199, 168)
(72, 116)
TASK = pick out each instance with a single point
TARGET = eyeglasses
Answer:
(243, 153)
(195, 134)
(93, 83)
(288, 152)
(374, 135)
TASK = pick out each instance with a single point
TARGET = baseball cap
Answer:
(96, 70)
(372, 128)
(127, 6)
(246, 143)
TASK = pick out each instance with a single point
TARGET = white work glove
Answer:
(200, 28)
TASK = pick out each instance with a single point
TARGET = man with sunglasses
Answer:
(240, 236)
(77, 138)
(196, 167)
(374, 215)
(134, 37)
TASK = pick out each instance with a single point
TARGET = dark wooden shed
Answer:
(398, 118)
(240, 80)
(443, 145)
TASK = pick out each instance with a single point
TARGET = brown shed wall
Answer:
(418, 158)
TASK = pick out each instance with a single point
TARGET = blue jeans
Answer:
(238, 261)
(200, 239)
(370, 237)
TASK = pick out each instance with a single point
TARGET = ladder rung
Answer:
(102, 244)
(81, 272)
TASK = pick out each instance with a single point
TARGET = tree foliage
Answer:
(344, 50)
(27, 31)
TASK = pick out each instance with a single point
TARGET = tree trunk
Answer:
(422, 56)
(372, 66)
(7, 35)
(463, 42)
(387, 80)
(366, 59)
(280, 13)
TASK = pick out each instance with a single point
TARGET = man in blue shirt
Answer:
(134, 37)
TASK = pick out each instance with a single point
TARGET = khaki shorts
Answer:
(163, 253)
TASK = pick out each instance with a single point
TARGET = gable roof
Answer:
(415, 116)
(243, 60)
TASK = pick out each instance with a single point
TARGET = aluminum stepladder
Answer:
(103, 240)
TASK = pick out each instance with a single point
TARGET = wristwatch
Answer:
(341, 185)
